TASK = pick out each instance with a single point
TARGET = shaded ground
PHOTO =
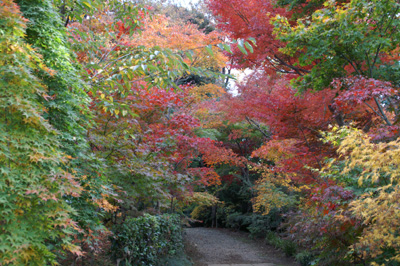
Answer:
(212, 247)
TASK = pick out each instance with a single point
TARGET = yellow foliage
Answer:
(268, 197)
(199, 212)
(202, 198)
(206, 92)
(106, 205)
(276, 150)
(381, 214)
(377, 159)
(209, 118)
(379, 211)
(268, 192)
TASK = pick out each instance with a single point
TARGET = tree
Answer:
(142, 116)
(197, 14)
(353, 45)
(165, 32)
(67, 111)
(254, 19)
(74, 128)
(35, 219)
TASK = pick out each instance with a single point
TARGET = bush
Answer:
(202, 214)
(258, 225)
(146, 240)
(180, 259)
(237, 221)
(305, 258)
(287, 246)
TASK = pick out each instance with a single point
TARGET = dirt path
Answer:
(221, 247)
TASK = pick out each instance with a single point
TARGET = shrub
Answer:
(262, 224)
(180, 259)
(305, 258)
(287, 246)
(146, 240)
(258, 225)
(273, 239)
(202, 213)
(237, 221)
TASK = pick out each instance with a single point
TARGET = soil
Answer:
(212, 247)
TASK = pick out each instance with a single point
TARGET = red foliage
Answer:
(243, 19)
(294, 120)
(217, 154)
(207, 176)
(229, 179)
(272, 101)
(328, 197)
(359, 90)
(126, 26)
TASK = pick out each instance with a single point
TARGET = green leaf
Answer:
(209, 50)
(189, 55)
(87, 4)
(241, 47)
(252, 40)
(227, 48)
(249, 47)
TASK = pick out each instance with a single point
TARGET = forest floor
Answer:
(222, 247)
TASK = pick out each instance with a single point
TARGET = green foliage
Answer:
(287, 246)
(305, 258)
(334, 171)
(180, 259)
(237, 221)
(210, 133)
(258, 225)
(146, 240)
(78, 10)
(66, 104)
(360, 35)
(66, 100)
(261, 224)
(194, 15)
(307, 8)
(35, 219)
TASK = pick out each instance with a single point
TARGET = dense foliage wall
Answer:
(34, 216)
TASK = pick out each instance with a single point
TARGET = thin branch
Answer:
(378, 114)
(351, 63)
(369, 64)
(381, 111)
(387, 27)
(299, 71)
(257, 126)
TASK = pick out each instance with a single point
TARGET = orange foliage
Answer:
(164, 32)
